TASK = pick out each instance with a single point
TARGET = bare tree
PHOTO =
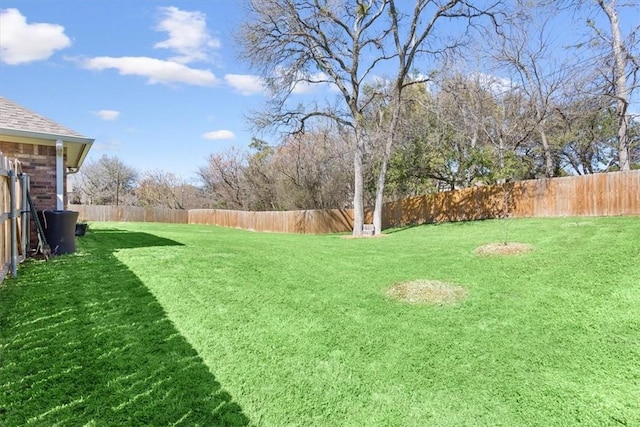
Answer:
(508, 127)
(313, 171)
(343, 42)
(416, 39)
(586, 147)
(438, 134)
(259, 176)
(222, 179)
(107, 181)
(584, 127)
(310, 42)
(625, 69)
(159, 188)
(473, 108)
(618, 59)
(526, 49)
(306, 171)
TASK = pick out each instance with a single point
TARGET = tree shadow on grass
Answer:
(83, 341)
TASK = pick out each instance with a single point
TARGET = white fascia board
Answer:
(46, 136)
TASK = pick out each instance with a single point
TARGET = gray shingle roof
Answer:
(16, 117)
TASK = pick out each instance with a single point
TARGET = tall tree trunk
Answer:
(549, 168)
(377, 209)
(623, 137)
(501, 163)
(471, 172)
(386, 155)
(621, 88)
(358, 187)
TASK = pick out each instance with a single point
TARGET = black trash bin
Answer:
(60, 230)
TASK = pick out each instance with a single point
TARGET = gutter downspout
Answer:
(59, 175)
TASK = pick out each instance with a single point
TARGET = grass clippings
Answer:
(427, 292)
(504, 249)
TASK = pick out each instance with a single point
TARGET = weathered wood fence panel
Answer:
(302, 221)
(615, 193)
(309, 221)
(605, 194)
(129, 214)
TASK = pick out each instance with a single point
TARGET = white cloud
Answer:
(107, 114)
(379, 81)
(110, 145)
(246, 84)
(304, 83)
(303, 88)
(219, 135)
(495, 84)
(188, 35)
(314, 83)
(155, 70)
(21, 42)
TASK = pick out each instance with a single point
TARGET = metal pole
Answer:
(26, 224)
(14, 225)
(59, 175)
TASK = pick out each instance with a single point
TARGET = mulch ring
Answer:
(427, 292)
(504, 249)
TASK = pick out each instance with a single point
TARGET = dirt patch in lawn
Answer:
(504, 249)
(427, 292)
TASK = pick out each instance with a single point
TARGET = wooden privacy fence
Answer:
(14, 226)
(605, 194)
(303, 221)
(129, 214)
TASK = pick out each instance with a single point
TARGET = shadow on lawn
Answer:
(84, 342)
(110, 239)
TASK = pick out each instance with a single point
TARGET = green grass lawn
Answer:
(154, 324)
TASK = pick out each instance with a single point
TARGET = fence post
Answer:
(14, 224)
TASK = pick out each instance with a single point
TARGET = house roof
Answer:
(19, 124)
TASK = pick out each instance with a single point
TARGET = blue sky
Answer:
(158, 84)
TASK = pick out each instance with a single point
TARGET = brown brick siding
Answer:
(39, 162)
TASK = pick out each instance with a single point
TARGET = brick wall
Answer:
(39, 162)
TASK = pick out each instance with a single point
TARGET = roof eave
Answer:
(83, 154)
(46, 136)
(37, 137)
